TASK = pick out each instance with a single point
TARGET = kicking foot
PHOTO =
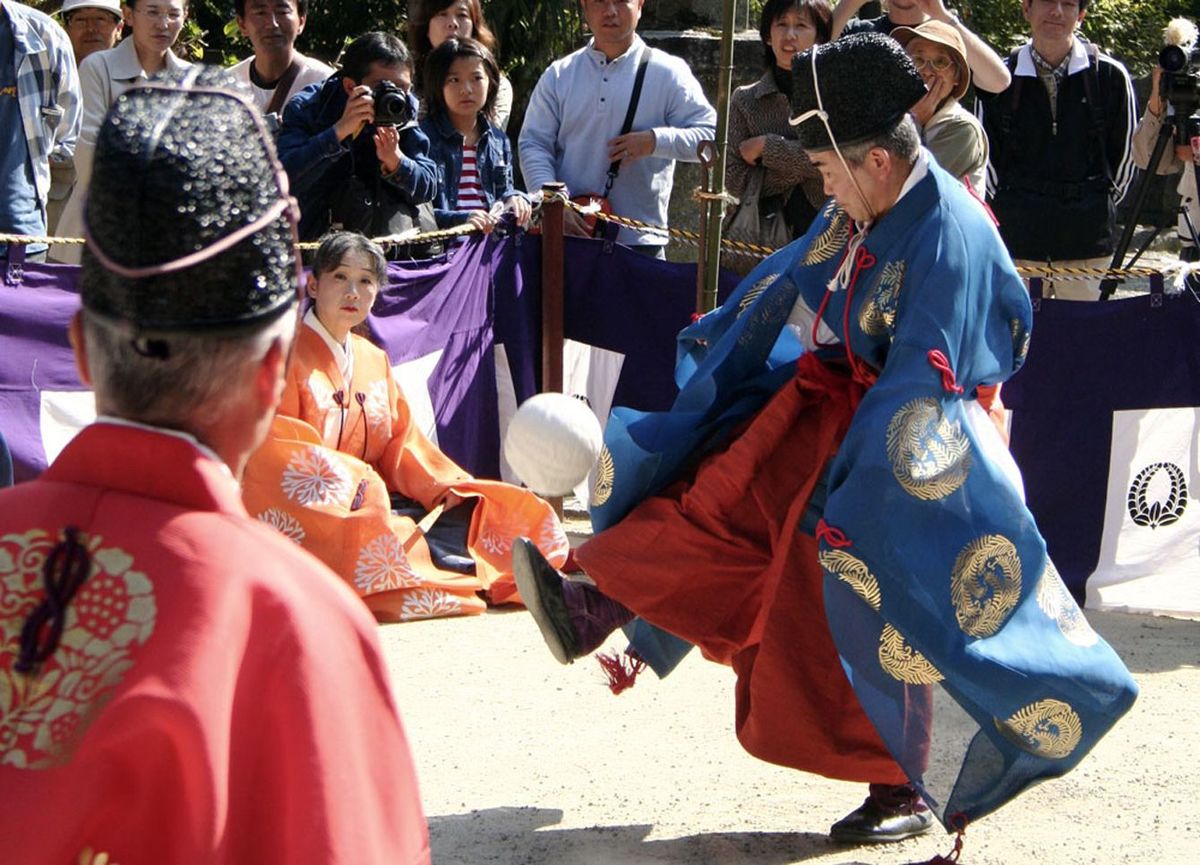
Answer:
(574, 617)
(541, 588)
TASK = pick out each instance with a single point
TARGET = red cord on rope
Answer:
(939, 362)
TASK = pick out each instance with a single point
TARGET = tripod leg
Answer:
(1166, 133)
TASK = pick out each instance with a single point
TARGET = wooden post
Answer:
(552, 297)
(712, 250)
(552, 287)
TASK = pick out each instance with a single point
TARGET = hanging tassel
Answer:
(621, 674)
(959, 824)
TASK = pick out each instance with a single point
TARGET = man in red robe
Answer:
(179, 682)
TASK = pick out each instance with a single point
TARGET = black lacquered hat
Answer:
(863, 84)
(188, 223)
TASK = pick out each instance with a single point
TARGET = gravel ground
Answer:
(525, 761)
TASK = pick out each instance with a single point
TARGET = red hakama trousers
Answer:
(718, 560)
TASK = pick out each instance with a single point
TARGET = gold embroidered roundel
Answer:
(985, 584)
(853, 572)
(43, 715)
(1047, 728)
(605, 470)
(900, 661)
(930, 455)
(1056, 602)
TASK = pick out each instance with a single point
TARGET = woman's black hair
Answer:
(819, 13)
(334, 247)
(437, 67)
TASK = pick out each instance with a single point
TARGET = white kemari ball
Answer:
(552, 443)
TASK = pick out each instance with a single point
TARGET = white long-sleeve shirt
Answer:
(579, 105)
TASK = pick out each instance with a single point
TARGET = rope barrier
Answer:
(691, 238)
(404, 239)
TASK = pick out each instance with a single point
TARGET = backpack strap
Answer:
(1007, 114)
(1091, 91)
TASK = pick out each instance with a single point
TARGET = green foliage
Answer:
(530, 35)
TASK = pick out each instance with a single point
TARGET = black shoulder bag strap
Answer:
(282, 86)
(614, 167)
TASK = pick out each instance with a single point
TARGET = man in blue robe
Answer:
(828, 509)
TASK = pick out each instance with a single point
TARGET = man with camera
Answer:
(1172, 101)
(352, 149)
(1060, 139)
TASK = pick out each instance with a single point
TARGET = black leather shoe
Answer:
(541, 588)
(874, 824)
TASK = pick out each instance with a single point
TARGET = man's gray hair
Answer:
(902, 141)
(200, 374)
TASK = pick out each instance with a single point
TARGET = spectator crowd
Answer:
(414, 135)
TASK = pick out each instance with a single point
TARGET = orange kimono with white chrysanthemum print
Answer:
(338, 448)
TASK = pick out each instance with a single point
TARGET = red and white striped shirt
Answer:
(470, 191)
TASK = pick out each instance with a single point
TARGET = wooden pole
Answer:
(712, 250)
(552, 287)
(553, 195)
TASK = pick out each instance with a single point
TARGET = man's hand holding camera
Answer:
(359, 111)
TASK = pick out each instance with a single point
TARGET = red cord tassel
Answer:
(959, 824)
(621, 671)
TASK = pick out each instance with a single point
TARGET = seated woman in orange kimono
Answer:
(347, 474)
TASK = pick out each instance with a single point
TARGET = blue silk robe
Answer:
(934, 570)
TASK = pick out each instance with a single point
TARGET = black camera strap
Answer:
(614, 167)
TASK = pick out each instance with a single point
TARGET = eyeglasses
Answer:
(939, 64)
(171, 16)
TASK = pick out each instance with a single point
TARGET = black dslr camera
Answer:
(1181, 87)
(392, 107)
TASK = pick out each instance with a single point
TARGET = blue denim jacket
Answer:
(317, 163)
(493, 159)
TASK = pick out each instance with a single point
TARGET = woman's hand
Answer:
(751, 150)
(1155, 103)
(932, 100)
(520, 208)
(481, 220)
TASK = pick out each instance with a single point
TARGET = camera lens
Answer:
(1172, 58)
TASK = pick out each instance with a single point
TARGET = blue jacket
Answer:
(317, 163)
(493, 159)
